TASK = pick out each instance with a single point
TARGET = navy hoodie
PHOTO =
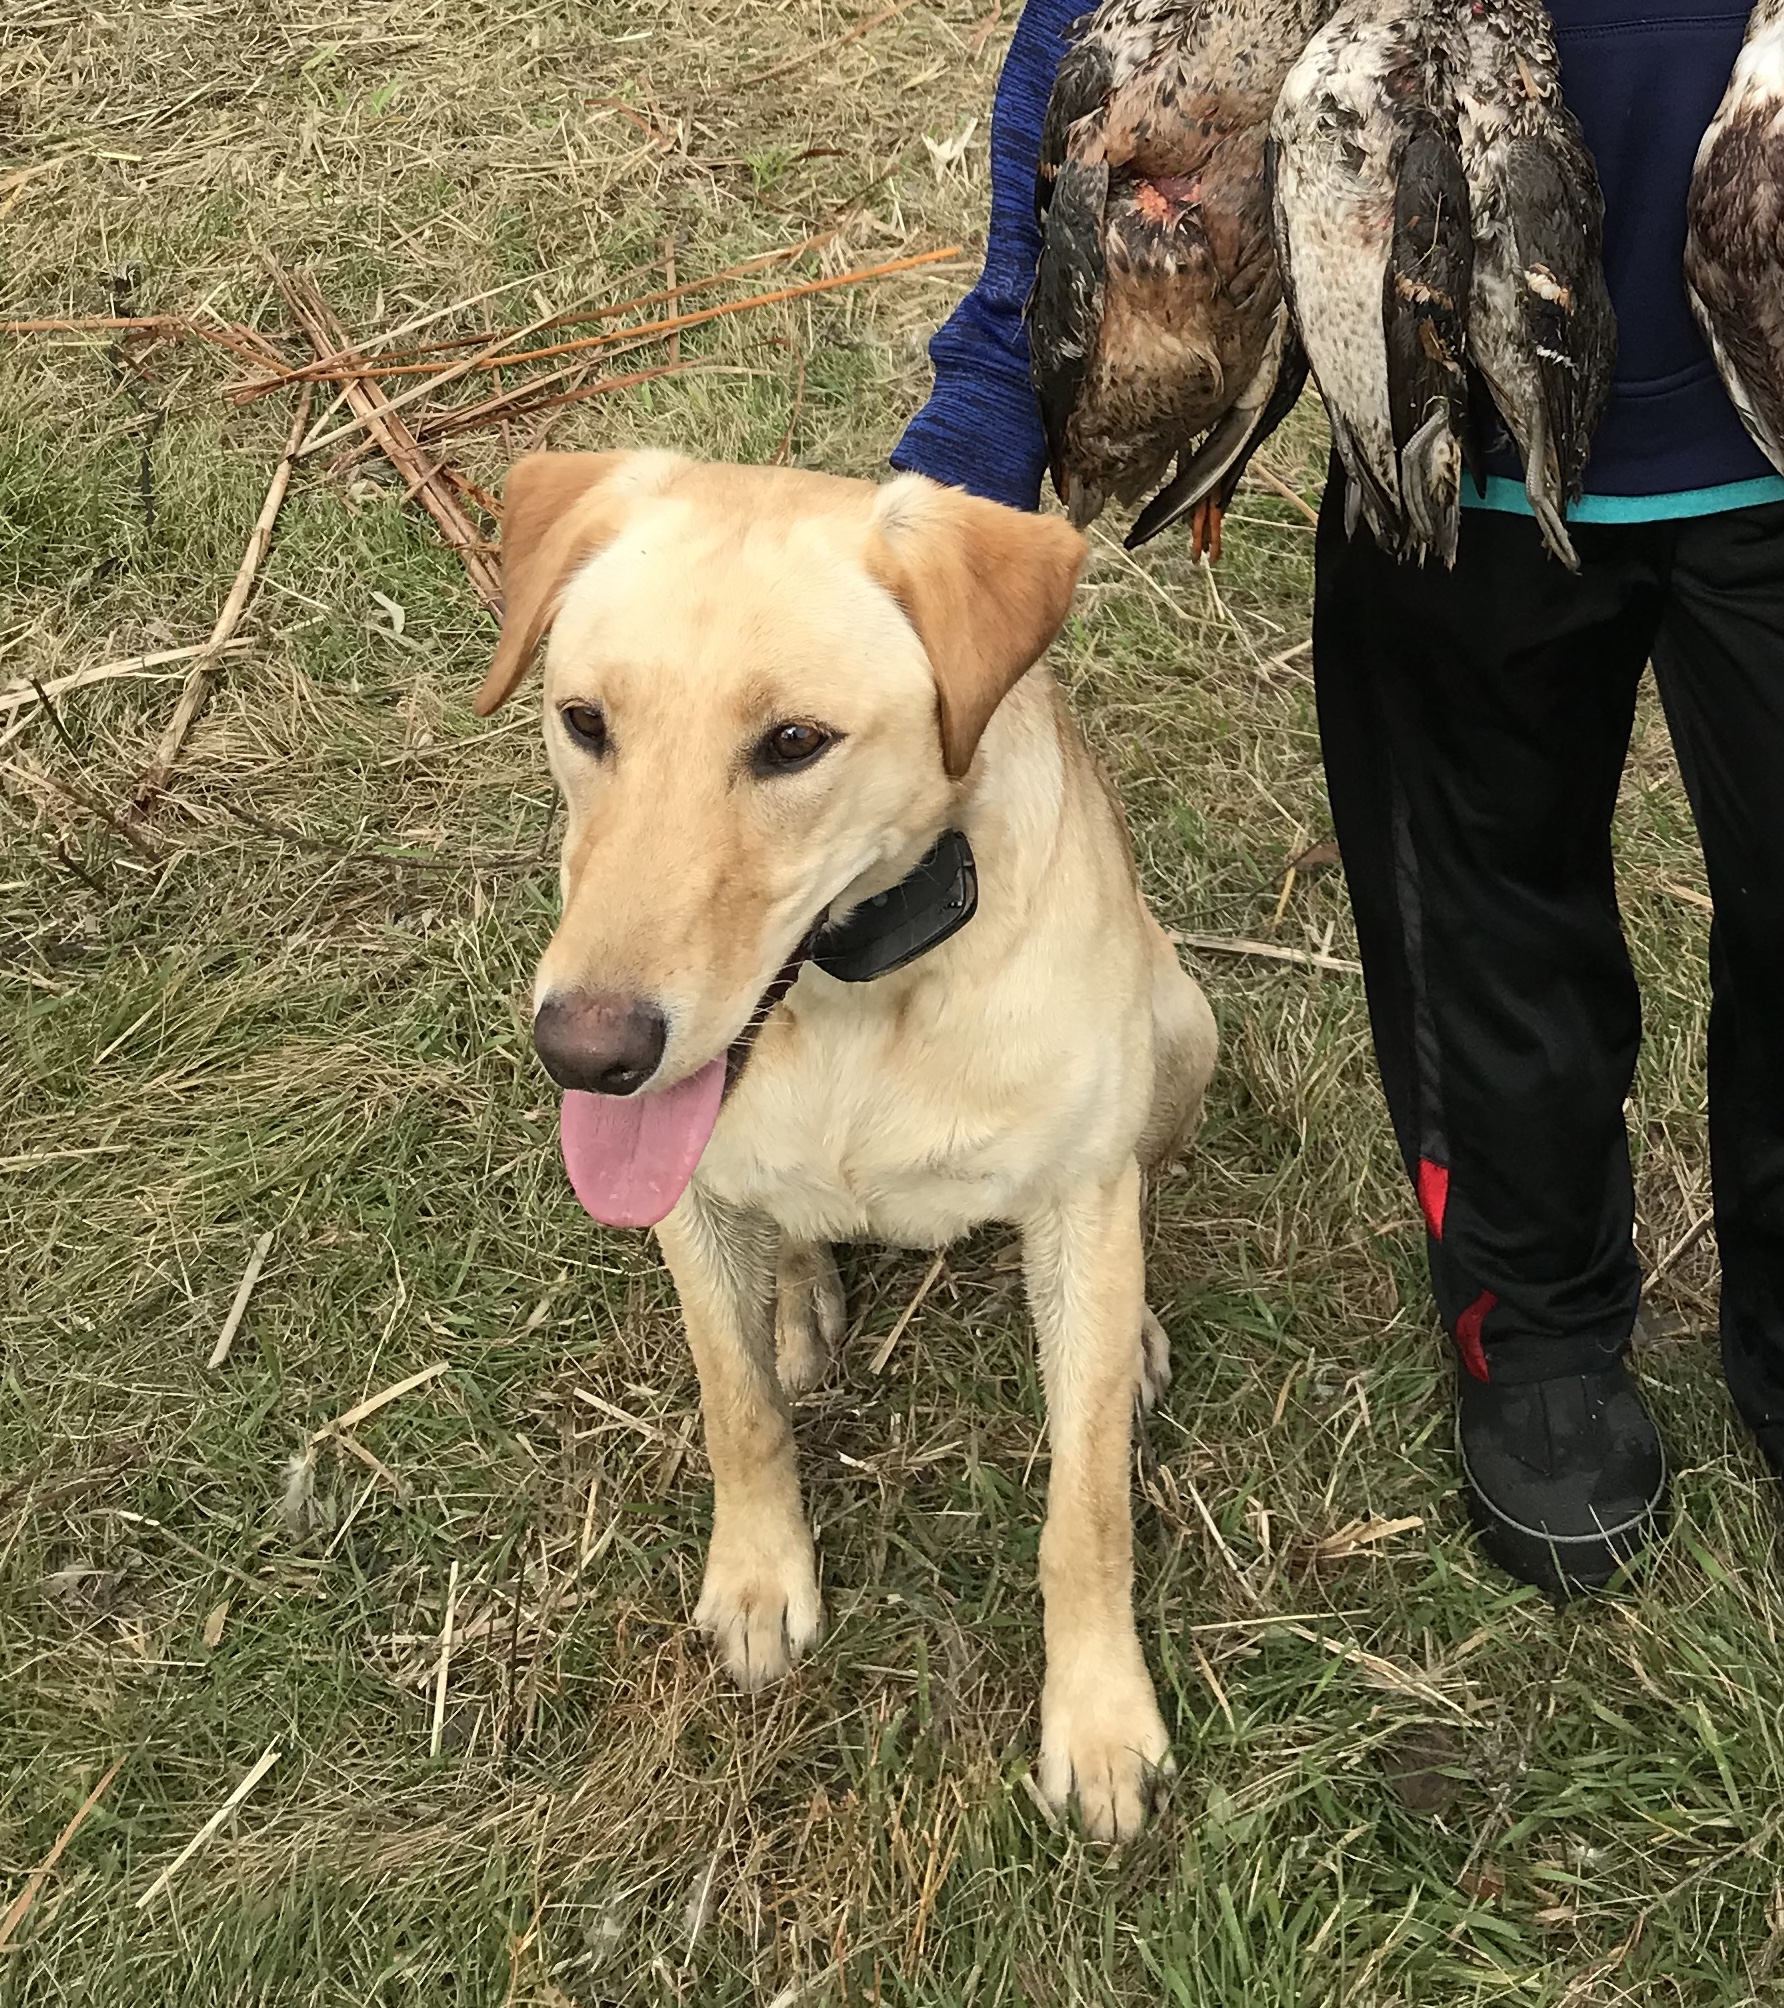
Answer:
(1643, 77)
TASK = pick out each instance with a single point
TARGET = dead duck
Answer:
(1541, 331)
(1371, 214)
(1157, 329)
(1734, 216)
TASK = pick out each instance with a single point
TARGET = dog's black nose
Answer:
(594, 1040)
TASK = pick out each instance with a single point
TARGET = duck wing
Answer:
(1734, 222)
(1566, 323)
(1065, 306)
(1542, 330)
(1081, 86)
(1065, 303)
(1425, 322)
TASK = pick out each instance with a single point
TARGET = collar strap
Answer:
(931, 902)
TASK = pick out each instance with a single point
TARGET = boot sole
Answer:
(1563, 1565)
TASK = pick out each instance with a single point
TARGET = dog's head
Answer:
(761, 687)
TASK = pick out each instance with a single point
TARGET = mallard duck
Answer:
(1734, 219)
(1371, 214)
(1541, 331)
(1157, 330)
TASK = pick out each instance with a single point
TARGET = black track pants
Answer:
(1475, 724)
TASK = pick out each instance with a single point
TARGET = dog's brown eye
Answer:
(586, 726)
(789, 746)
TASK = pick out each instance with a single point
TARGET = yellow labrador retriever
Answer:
(852, 948)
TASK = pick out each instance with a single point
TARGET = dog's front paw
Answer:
(1103, 1744)
(1155, 1359)
(759, 1604)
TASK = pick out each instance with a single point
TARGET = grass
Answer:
(1438, 1790)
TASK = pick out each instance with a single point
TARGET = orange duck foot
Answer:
(1204, 531)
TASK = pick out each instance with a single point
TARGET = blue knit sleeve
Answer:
(981, 429)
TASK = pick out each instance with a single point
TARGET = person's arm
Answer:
(981, 429)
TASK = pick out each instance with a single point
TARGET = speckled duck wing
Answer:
(1542, 332)
(1065, 307)
(1425, 322)
(1566, 322)
(1735, 227)
(1065, 304)
(1081, 88)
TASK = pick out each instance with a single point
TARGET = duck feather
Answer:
(1734, 224)
(1372, 229)
(1153, 318)
(1541, 326)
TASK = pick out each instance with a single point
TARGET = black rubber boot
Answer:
(1770, 1438)
(1565, 1478)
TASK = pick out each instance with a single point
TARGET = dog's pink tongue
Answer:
(630, 1156)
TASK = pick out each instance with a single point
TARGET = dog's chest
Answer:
(877, 1125)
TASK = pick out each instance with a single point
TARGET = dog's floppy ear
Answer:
(985, 587)
(558, 510)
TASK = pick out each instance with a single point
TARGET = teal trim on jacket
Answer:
(1509, 497)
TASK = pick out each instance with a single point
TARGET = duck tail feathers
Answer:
(1366, 499)
(1218, 464)
(1198, 475)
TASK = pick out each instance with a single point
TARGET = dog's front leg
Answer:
(1102, 1737)
(759, 1604)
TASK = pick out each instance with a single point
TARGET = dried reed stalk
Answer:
(198, 677)
(886, 1346)
(399, 444)
(239, 1308)
(1277, 486)
(1269, 951)
(267, 1759)
(18, 695)
(97, 324)
(328, 365)
(445, 1669)
(15, 1911)
(363, 1411)
(521, 402)
(671, 348)
(307, 372)
(245, 344)
(672, 325)
(675, 322)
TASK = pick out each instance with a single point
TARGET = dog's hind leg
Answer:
(809, 1312)
(1103, 1740)
(1184, 1043)
(1155, 1359)
(759, 1604)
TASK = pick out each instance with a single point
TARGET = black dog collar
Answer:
(933, 901)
